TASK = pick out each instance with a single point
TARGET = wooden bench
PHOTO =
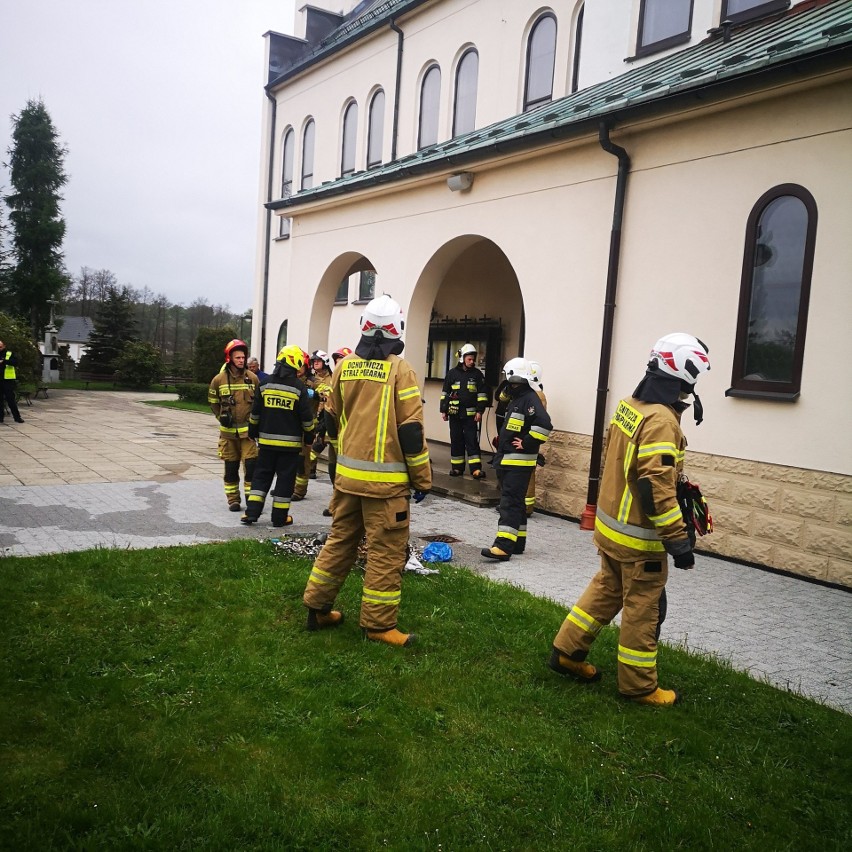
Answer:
(88, 378)
(174, 381)
(41, 389)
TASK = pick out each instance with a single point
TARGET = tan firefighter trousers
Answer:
(635, 588)
(385, 523)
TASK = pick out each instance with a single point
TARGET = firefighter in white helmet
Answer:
(538, 386)
(374, 417)
(525, 429)
(638, 522)
(463, 402)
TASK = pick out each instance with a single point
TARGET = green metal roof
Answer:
(805, 32)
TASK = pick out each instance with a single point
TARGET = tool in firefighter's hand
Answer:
(694, 508)
(226, 418)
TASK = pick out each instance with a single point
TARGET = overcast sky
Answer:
(159, 104)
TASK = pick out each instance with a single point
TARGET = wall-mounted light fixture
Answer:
(461, 182)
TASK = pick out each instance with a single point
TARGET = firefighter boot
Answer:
(320, 619)
(391, 637)
(581, 671)
(658, 698)
(495, 553)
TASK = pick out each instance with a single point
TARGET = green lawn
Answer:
(181, 404)
(171, 699)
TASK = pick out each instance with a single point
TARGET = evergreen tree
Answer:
(115, 326)
(5, 260)
(37, 173)
(209, 351)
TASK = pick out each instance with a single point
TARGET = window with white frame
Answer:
(430, 104)
(376, 129)
(663, 24)
(540, 61)
(350, 131)
(467, 79)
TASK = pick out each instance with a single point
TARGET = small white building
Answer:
(571, 181)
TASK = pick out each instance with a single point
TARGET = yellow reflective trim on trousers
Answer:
(323, 577)
(381, 598)
(408, 393)
(584, 621)
(640, 659)
(371, 475)
(628, 540)
(507, 535)
(667, 517)
(382, 424)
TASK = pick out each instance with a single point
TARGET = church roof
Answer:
(74, 329)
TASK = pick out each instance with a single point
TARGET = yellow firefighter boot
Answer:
(658, 698)
(495, 553)
(391, 637)
(318, 620)
(563, 665)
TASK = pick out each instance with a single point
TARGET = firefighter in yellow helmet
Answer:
(638, 522)
(231, 394)
(282, 422)
(374, 415)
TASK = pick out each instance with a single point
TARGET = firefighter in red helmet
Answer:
(231, 394)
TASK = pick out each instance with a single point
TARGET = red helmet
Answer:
(232, 345)
(340, 353)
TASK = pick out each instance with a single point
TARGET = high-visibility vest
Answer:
(9, 373)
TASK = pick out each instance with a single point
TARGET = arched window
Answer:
(308, 139)
(464, 108)
(282, 337)
(578, 46)
(288, 153)
(430, 104)
(376, 129)
(774, 294)
(541, 56)
(350, 131)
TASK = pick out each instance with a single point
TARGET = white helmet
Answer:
(517, 371)
(382, 316)
(467, 349)
(680, 355)
(536, 376)
(319, 355)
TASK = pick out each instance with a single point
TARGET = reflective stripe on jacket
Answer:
(525, 418)
(281, 415)
(9, 373)
(463, 394)
(369, 402)
(638, 513)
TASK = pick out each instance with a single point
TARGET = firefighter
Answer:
(282, 421)
(525, 428)
(337, 356)
(529, 500)
(463, 401)
(321, 368)
(638, 522)
(375, 416)
(303, 473)
(231, 395)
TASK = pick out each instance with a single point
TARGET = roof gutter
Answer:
(587, 520)
(397, 94)
(267, 243)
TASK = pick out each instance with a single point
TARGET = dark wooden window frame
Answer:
(420, 144)
(530, 104)
(284, 225)
(757, 11)
(665, 43)
(308, 175)
(760, 389)
(346, 139)
(371, 110)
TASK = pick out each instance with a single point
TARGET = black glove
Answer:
(318, 446)
(685, 560)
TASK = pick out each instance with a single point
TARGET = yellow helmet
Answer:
(292, 356)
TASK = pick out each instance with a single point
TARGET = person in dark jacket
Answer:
(463, 402)
(282, 422)
(525, 428)
(8, 381)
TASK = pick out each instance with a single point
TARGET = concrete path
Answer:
(99, 469)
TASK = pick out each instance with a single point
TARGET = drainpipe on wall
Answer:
(396, 94)
(267, 248)
(587, 521)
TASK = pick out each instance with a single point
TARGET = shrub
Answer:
(139, 365)
(17, 338)
(208, 352)
(193, 393)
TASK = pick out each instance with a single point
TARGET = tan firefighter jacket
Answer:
(374, 417)
(638, 515)
(233, 390)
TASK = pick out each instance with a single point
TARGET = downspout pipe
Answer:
(398, 89)
(587, 521)
(268, 246)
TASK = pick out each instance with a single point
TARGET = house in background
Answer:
(572, 181)
(74, 333)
